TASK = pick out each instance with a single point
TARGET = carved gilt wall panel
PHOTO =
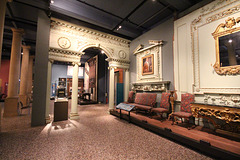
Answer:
(203, 50)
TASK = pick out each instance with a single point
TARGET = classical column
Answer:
(111, 89)
(126, 85)
(49, 76)
(74, 108)
(24, 73)
(2, 19)
(29, 76)
(10, 107)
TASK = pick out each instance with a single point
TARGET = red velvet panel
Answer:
(186, 99)
(165, 100)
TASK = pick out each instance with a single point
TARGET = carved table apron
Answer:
(230, 114)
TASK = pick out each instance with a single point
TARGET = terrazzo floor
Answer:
(96, 135)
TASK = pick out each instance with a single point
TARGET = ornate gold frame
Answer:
(230, 26)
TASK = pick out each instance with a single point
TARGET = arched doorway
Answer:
(95, 75)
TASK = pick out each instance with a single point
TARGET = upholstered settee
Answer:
(143, 101)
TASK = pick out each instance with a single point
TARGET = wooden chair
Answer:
(164, 105)
(185, 111)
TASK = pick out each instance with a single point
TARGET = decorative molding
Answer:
(122, 54)
(154, 50)
(64, 42)
(147, 48)
(65, 52)
(64, 55)
(96, 35)
(223, 14)
(230, 70)
(222, 30)
(118, 60)
(140, 46)
(155, 42)
(161, 86)
(217, 5)
(201, 21)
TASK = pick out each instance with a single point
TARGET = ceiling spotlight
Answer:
(52, 1)
(230, 41)
(153, 0)
(119, 27)
(102, 52)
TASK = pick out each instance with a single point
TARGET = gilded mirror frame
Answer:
(229, 27)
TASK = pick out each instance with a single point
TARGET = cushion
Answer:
(182, 114)
(148, 99)
(130, 97)
(141, 107)
(165, 100)
(186, 100)
(159, 110)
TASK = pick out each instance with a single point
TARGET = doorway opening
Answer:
(96, 77)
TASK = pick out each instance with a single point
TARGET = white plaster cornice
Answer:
(118, 60)
(64, 55)
(66, 52)
(57, 22)
(147, 48)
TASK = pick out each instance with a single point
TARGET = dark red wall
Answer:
(4, 73)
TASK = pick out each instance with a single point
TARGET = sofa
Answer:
(142, 101)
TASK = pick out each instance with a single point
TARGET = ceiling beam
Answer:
(10, 13)
(27, 4)
(83, 2)
(31, 23)
(57, 14)
(165, 4)
(154, 15)
(126, 18)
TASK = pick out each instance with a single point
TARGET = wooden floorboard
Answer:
(199, 138)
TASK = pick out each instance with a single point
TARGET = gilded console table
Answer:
(229, 113)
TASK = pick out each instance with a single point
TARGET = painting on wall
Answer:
(147, 65)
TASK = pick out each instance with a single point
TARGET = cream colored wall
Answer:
(195, 52)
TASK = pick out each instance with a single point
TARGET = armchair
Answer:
(164, 105)
(185, 110)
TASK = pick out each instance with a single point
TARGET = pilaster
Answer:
(74, 108)
(111, 88)
(24, 73)
(126, 84)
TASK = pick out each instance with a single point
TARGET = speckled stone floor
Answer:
(96, 135)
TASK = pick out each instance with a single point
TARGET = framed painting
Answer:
(147, 65)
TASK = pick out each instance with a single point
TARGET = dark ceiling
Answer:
(134, 16)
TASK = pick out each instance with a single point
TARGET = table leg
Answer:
(120, 114)
(129, 118)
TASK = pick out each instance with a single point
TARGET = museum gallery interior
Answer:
(120, 79)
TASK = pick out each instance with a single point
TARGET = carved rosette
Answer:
(64, 42)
